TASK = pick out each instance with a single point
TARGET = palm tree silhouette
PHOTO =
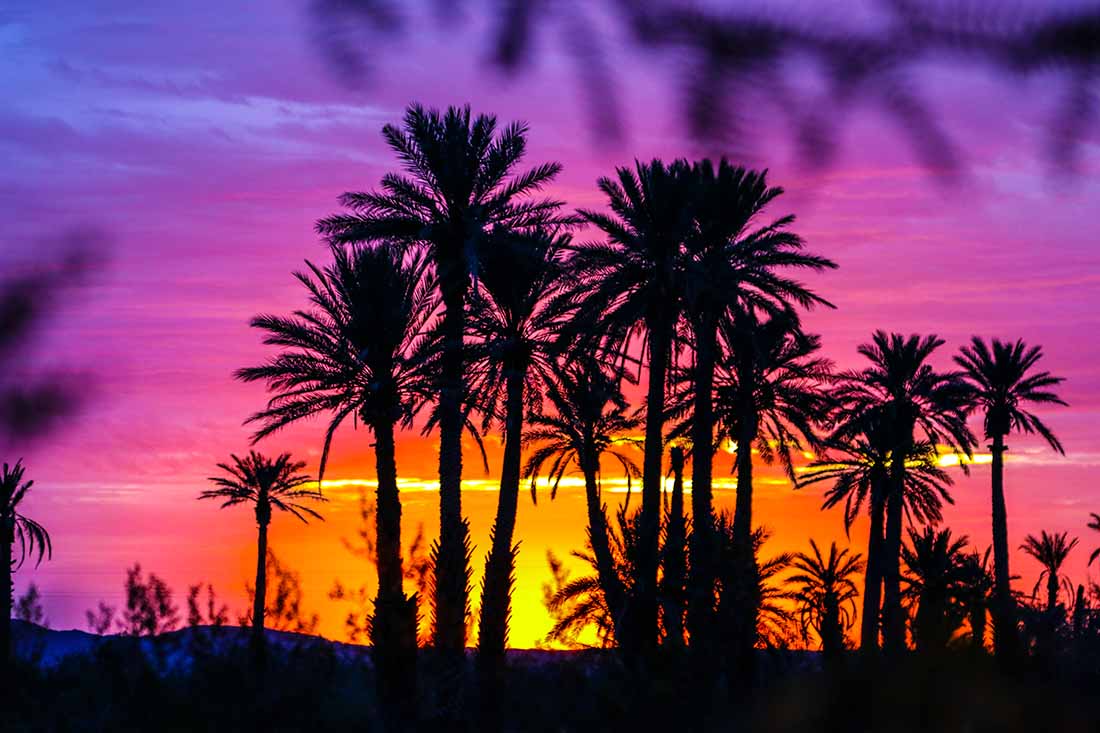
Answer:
(768, 396)
(733, 261)
(514, 324)
(16, 529)
(1050, 550)
(590, 420)
(268, 485)
(460, 186)
(858, 467)
(934, 560)
(1094, 524)
(364, 349)
(826, 593)
(673, 555)
(975, 589)
(1004, 378)
(903, 391)
(631, 286)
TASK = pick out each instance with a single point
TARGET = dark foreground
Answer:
(205, 679)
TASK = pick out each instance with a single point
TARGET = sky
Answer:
(206, 140)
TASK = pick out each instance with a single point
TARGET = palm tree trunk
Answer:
(1052, 590)
(642, 616)
(601, 544)
(260, 599)
(500, 565)
(7, 591)
(393, 627)
(893, 619)
(452, 567)
(700, 614)
(1004, 615)
(674, 560)
(872, 582)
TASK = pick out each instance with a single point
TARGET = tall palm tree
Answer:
(16, 530)
(268, 485)
(460, 186)
(363, 349)
(825, 595)
(914, 402)
(590, 420)
(632, 286)
(1004, 377)
(1050, 550)
(934, 560)
(734, 260)
(768, 395)
(515, 324)
(858, 467)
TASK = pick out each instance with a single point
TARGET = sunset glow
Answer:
(208, 152)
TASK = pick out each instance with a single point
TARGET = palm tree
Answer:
(631, 285)
(362, 350)
(16, 529)
(975, 589)
(733, 261)
(1050, 550)
(826, 595)
(1094, 524)
(590, 420)
(858, 467)
(460, 187)
(673, 555)
(268, 485)
(909, 397)
(768, 395)
(935, 583)
(1004, 378)
(515, 324)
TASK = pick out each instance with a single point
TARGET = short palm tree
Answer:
(858, 467)
(631, 286)
(1004, 377)
(913, 402)
(515, 321)
(16, 530)
(363, 349)
(825, 595)
(934, 560)
(268, 485)
(590, 419)
(975, 590)
(1050, 550)
(460, 185)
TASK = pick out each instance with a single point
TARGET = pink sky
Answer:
(207, 141)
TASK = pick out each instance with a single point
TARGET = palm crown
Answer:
(20, 529)
(590, 415)
(826, 591)
(1004, 379)
(267, 483)
(1050, 550)
(908, 393)
(516, 318)
(786, 374)
(364, 349)
(459, 184)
